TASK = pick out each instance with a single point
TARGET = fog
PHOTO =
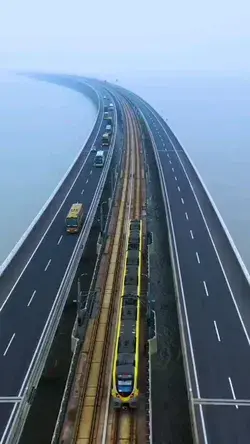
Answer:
(131, 37)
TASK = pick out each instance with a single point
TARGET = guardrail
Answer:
(21, 241)
(19, 414)
(87, 309)
(177, 279)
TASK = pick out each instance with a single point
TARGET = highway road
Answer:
(29, 287)
(218, 339)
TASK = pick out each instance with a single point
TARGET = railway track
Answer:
(96, 421)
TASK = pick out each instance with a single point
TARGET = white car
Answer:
(93, 149)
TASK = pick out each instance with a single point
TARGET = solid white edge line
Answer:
(217, 331)
(9, 344)
(31, 299)
(37, 217)
(169, 217)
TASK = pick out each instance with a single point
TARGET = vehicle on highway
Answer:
(93, 149)
(111, 107)
(125, 374)
(106, 115)
(108, 129)
(74, 219)
(104, 97)
(99, 159)
(106, 137)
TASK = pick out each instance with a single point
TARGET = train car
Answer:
(125, 389)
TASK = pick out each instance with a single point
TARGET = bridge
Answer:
(211, 282)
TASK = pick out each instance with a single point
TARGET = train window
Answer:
(131, 280)
(129, 312)
(133, 246)
(125, 359)
(130, 299)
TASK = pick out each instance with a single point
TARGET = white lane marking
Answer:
(175, 178)
(173, 169)
(59, 240)
(210, 235)
(46, 231)
(9, 344)
(90, 172)
(87, 180)
(198, 258)
(163, 143)
(82, 191)
(31, 299)
(186, 318)
(168, 155)
(205, 288)
(217, 331)
(170, 161)
(191, 234)
(182, 200)
(186, 215)
(47, 266)
(179, 189)
(232, 390)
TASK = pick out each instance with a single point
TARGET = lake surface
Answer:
(42, 128)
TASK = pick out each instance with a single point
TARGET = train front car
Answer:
(125, 390)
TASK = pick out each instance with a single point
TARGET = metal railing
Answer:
(87, 312)
(177, 279)
(19, 414)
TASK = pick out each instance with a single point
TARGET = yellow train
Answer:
(125, 375)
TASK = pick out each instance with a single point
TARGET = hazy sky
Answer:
(95, 36)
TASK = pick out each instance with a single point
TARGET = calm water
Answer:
(42, 128)
(211, 117)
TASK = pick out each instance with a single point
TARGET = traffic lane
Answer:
(15, 267)
(53, 230)
(52, 241)
(40, 281)
(46, 284)
(234, 344)
(225, 319)
(211, 383)
(223, 306)
(5, 412)
(226, 424)
(231, 265)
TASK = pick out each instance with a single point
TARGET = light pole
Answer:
(101, 215)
